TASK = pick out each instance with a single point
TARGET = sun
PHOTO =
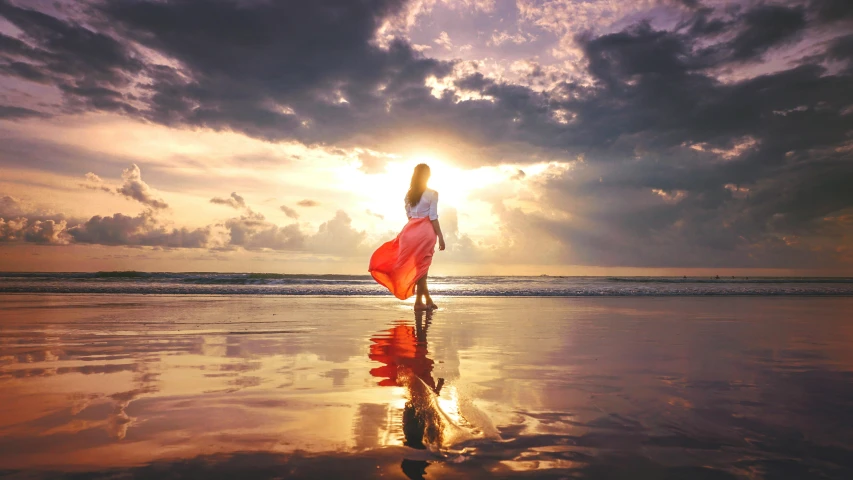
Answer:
(444, 179)
(454, 184)
(383, 192)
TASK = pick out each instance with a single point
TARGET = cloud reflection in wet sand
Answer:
(687, 387)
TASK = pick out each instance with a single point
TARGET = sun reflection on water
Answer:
(427, 415)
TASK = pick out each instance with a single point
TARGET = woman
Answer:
(403, 263)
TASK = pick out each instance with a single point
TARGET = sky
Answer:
(567, 137)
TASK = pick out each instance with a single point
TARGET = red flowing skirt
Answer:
(400, 263)
(399, 348)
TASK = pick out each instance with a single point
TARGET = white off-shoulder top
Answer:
(427, 207)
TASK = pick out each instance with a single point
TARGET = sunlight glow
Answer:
(455, 185)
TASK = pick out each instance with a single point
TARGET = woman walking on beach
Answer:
(402, 264)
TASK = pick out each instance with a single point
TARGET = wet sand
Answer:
(133, 386)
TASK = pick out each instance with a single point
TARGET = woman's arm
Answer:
(433, 217)
(437, 227)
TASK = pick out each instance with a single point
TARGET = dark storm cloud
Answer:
(242, 70)
(263, 69)
(841, 49)
(684, 170)
(653, 92)
(89, 66)
(829, 11)
(260, 68)
(765, 27)
(773, 223)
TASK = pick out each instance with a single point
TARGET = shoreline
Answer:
(137, 273)
(441, 295)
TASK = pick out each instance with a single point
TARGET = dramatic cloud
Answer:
(92, 69)
(134, 188)
(234, 201)
(277, 91)
(765, 27)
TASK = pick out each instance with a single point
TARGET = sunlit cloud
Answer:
(134, 188)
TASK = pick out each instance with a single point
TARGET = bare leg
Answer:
(420, 291)
(429, 303)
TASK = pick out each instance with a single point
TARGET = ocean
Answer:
(363, 285)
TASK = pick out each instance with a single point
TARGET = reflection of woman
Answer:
(403, 350)
(402, 264)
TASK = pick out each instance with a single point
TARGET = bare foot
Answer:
(431, 306)
(420, 307)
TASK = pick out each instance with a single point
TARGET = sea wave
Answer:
(738, 280)
(200, 283)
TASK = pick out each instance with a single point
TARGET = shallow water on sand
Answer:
(302, 387)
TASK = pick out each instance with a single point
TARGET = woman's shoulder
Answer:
(432, 193)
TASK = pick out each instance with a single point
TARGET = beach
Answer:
(144, 386)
